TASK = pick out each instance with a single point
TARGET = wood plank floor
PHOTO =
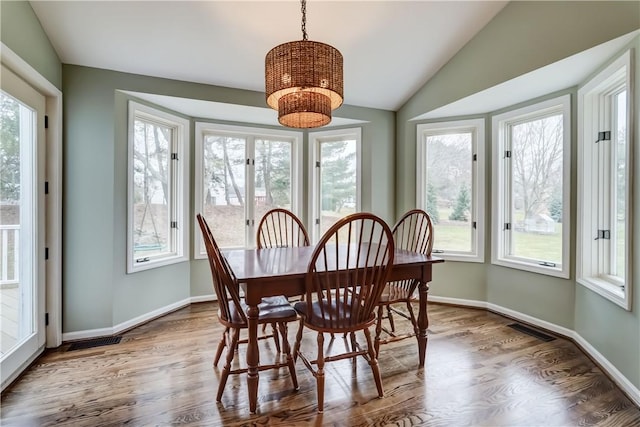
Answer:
(479, 372)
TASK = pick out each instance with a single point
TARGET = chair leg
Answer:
(221, 345)
(354, 344)
(235, 336)
(373, 362)
(390, 317)
(320, 373)
(285, 345)
(414, 321)
(378, 330)
(276, 339)
(296, 346)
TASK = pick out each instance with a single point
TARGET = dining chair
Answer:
(232, 314)
(345, 276)
(281, 228)
(413, 232)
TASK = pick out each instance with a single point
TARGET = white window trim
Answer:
(477, 127)
(315, 139)
(587, 252)
(180, 183)
(202, 128)
(499, 183)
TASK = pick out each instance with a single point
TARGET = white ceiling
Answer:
(390, 48)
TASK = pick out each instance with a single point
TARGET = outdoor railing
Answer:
(9, 250)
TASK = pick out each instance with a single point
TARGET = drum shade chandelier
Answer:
(303, 80)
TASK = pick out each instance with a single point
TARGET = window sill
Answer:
(533, 268)
(608, 290)
(138, 267)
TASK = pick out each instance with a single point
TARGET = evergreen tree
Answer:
(432, 203)
(463, 204)
(338, 176)
(555, 208)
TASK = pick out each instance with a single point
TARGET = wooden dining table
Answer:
(281, 271)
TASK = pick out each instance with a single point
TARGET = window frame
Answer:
(501, 183)
(477, 128)
(316, 138)
(179, 186)
(595, 99)
(251, 134)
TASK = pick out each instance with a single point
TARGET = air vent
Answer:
(527, 330)
(98, 342)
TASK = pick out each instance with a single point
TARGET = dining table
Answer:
(281, 271)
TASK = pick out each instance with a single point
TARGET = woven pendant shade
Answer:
(303, 82)
(304, 110)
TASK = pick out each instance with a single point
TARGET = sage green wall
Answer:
(97, 291)
(523, 37)
(21, 31)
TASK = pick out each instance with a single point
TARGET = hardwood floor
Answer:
(479, 372)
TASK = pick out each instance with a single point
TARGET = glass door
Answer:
(22, 275)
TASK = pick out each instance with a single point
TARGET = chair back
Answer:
(225, 283)
(347, 272)
(281, 228)
(413, 232)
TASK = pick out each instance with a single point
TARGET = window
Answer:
(531, 166)
(238, 164)
(335, 187)
(158, 188)
(604, 183)
(450, 186)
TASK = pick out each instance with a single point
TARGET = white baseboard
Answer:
(204, 298)
(621, 381)
(132, 323)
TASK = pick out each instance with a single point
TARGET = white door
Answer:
(22, 219)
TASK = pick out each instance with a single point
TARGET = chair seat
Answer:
(323, 315)
(272, 309)
(393, 293)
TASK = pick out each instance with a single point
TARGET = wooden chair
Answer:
(345, 277)
(281, 228)
(413, 232)
(232, 314)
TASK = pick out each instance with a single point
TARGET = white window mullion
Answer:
(250, 193)
(507, 215)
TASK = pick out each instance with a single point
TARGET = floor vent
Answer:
(81, 345)
(527, 330)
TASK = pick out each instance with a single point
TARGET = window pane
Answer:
(273, 176)
(620, 140)
(224, 188)
(337, 181)
(18, 287)
(151, 190)
(536, 194)
(449, 189)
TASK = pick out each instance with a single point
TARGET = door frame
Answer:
(53, 201)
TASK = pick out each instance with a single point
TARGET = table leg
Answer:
(253, 357)
(423, 322)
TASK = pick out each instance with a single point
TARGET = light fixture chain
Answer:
(303, 8)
